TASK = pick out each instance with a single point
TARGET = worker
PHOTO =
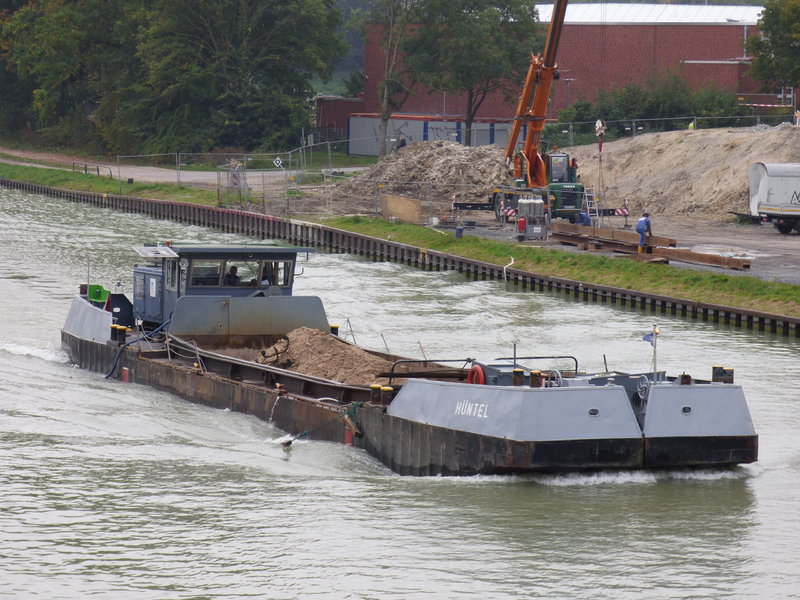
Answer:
(643, 229)
(232, 277)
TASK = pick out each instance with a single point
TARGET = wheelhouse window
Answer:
(240, 272)
(276, 273)
(206, 272)
(172, 271)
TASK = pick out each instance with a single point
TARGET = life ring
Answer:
(476, 375)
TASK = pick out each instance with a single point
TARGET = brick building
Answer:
(602, 46)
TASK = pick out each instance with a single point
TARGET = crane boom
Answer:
(538, 83)
(546, 185)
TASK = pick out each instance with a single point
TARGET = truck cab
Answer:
(565, 193)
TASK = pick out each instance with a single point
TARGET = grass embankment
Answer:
(738, 291)
(93, 183)
(716, 288)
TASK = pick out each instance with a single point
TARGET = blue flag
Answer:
(650, 337)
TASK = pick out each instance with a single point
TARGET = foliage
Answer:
(474, 47)
(393, 20)
(354, 84)
(777, 48)
(171, 74)
(655, 105)
(65, 64)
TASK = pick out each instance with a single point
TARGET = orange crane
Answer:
(540, 77)
(550, 179)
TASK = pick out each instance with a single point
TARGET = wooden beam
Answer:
(608, 233)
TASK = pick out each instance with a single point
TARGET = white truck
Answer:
(775, 194)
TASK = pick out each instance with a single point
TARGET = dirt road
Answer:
(256, 180)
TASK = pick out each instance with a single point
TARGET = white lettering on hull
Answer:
(472, 409)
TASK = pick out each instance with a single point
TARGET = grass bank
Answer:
(92, 183)
(740, 291)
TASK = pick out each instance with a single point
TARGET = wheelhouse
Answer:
(240, 270)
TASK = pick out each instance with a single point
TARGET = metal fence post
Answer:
(178, 166)
(429, 192)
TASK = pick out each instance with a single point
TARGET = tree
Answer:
(474, 47)
(354, 84)
(65, 63)
(661, 100)
(394, 19)
(234, 72)
(163, 75)
(777, 49)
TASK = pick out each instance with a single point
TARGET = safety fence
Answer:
(336, 240)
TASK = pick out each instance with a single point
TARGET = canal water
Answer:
(112, 490)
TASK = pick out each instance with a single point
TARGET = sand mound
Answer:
(676, 172)
(321, 354)
(683, 172)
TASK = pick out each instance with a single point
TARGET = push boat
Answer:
(197, 309)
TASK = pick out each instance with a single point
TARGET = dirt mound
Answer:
(321, 354)
(684, 172)
(676, 172)
(417, 167)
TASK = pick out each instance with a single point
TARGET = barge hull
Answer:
(718, 451)
(406, 447)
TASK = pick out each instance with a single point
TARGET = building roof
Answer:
(630, 14)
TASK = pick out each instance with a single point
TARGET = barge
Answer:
(210, 323)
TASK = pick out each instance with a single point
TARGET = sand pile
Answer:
(321, 354)
(677, 172)
(684, 172)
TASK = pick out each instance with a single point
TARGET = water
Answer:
(119, 491)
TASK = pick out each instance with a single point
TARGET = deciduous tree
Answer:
(235, 72)
(475, 48)
(394, 18)
(777, 47)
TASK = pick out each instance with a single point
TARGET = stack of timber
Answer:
(658, 249)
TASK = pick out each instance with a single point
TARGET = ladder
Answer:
(590, 206)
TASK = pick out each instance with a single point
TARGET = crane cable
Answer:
(600, 179)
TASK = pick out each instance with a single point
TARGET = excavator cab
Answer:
(566, 194)
(560, 168)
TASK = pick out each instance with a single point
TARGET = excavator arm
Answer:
(532, 106)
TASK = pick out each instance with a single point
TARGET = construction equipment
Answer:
(550, 177)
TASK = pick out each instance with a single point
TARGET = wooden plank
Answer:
(609, 233)
(582, 237)
(700, 258)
